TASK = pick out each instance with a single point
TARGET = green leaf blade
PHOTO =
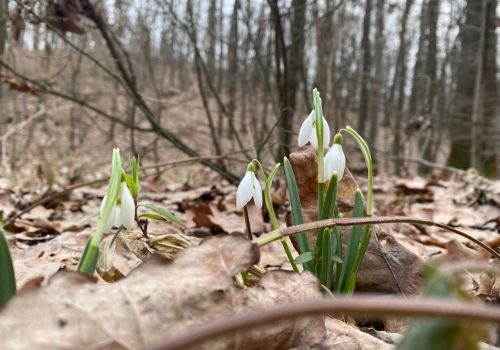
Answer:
(295, 203)
(7, 276)
(164, 213)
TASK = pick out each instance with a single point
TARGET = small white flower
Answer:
(123, 211)
(249, 187)
(335, 161)
(307, 132)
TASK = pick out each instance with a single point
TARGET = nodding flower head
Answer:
(123, 212)
(249, 188)
(307, 132)
(335, 159)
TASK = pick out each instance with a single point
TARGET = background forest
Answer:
(166, 79)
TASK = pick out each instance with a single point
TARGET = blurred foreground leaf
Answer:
(439, 334)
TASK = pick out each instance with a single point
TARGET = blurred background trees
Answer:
(417, 78)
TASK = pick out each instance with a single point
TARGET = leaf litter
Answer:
(161, 296)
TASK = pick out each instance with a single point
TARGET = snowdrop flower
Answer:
(335, 159)
(249, 187)
(123, 211)
(307, 132)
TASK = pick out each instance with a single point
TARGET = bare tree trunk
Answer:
(296, 55)
(378, 82)
(212, 38)
(4, 11)
(419, 84)
(364, 103)
(430, 72)
(477, 122)
(233, 66)
(280, 57)
(400, 80)
(460, 154)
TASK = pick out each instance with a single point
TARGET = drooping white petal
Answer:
(334, 161)
(118, 220)
(127, 208)
(326, 134)
(306, 130)
(314, 139)
(108, 225)
(257, 192)
(245, 190)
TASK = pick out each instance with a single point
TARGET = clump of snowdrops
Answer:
(325, 256)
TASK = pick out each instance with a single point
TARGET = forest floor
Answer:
(51, 238)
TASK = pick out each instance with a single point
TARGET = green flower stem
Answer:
(247, 222)
(87, 263)
(270, 209)
(289, 255)
(365, 240)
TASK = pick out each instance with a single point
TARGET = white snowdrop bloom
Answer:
(335, 159)
(123, 211)
(307, 132)
(249, 188)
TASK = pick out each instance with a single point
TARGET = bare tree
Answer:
(364, 103)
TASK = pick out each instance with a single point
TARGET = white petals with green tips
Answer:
(249, 188)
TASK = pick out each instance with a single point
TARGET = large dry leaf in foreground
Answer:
(341, 336)
(158, 299)
(388, 266)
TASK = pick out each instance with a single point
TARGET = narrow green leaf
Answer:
(325, 276)
(164, 213)
(362, 249)
(153, 216)
(134, 167)
(318, 250)
(336, 258)
(298, 219)
(304, 258)
(353, 244)
(330, 198)
(7, 276)
(338, 266)
(90, 254)
(131, 185)
(89, 257)
(351, 283)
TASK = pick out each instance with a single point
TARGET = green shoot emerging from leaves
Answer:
(119, 209)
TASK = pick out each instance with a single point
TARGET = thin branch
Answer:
(357, 305)
(313, 226)
(44, 87)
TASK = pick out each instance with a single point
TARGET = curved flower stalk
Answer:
(249, 188)
(335, 159)
(307, 132)
(123, 211)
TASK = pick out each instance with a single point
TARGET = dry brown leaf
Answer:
(16, 83)
(341, 336)
(388, 266)
(485, 286)
(456, 251)
(414, 185)
(159, 299)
